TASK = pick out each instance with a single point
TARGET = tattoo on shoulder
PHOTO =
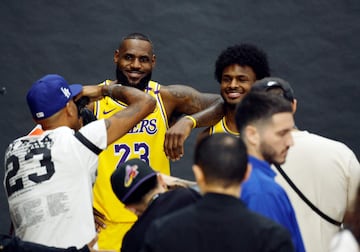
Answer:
(178, 92)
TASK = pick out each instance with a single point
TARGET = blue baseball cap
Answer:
(49, 95)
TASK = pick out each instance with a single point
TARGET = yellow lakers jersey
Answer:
(221, 127)
(144, 141)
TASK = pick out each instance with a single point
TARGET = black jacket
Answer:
(216, 223)
(164, 204)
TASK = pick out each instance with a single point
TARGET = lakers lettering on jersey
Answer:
(144, 141)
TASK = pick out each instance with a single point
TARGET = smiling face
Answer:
(236, 82)
(275, 138)
(134, 63)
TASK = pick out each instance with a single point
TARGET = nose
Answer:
(136, 63)
(233, 83)
(290, 140)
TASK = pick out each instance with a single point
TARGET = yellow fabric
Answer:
(116, 231)
(221, 127)
(144, 141)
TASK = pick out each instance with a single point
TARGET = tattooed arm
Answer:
(139, 106)
(206, 109)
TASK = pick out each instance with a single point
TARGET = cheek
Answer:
(222, 88)
(247, 87)
(277, 143)
(121, 64)
(147, 67)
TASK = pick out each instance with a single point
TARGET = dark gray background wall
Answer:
(313, 44)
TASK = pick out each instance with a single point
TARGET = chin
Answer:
(232, 103)
(133, 84)
(280, 161)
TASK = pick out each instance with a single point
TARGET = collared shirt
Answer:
(263, 195)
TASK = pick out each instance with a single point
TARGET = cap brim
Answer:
(136, 186)
(75, 89)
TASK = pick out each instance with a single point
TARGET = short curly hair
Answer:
(243, 55)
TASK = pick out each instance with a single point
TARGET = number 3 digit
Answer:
(45, 161)
(14, 160)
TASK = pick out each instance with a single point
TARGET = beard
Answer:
(123, 80)
(269, 154)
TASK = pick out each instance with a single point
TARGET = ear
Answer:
(199, 174)
(294, 105)
(247, 172)
(252, 135)
(153, 60)
(116, 56)
(161, 181)
(69, 110)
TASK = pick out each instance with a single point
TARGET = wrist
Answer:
(191, 119)
(107, 90)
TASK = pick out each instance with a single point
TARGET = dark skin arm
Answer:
(181, 99)
(139, 106)
(203, 134)
(99, 220)
(206, 109)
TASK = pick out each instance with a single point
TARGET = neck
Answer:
(230, 118)
(231, 190)
(152, 195)
(251, 150)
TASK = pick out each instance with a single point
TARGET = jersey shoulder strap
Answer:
(87, 143)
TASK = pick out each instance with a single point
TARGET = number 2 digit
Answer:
(14, 162)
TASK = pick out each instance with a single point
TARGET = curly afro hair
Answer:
(243, 55)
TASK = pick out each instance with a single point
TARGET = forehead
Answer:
(237, 70)
(136, 47)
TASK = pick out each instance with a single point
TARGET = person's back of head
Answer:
(259, 107)
(265, 122)
(278, 86)
(275, 85)
(243, 55)
(222, 158)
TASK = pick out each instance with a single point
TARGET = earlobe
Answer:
(252, 135)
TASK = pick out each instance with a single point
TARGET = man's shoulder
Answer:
(38, 133)
(182, 192)
(181, 215)
(325, 143)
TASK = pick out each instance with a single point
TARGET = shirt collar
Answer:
(262, 166)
